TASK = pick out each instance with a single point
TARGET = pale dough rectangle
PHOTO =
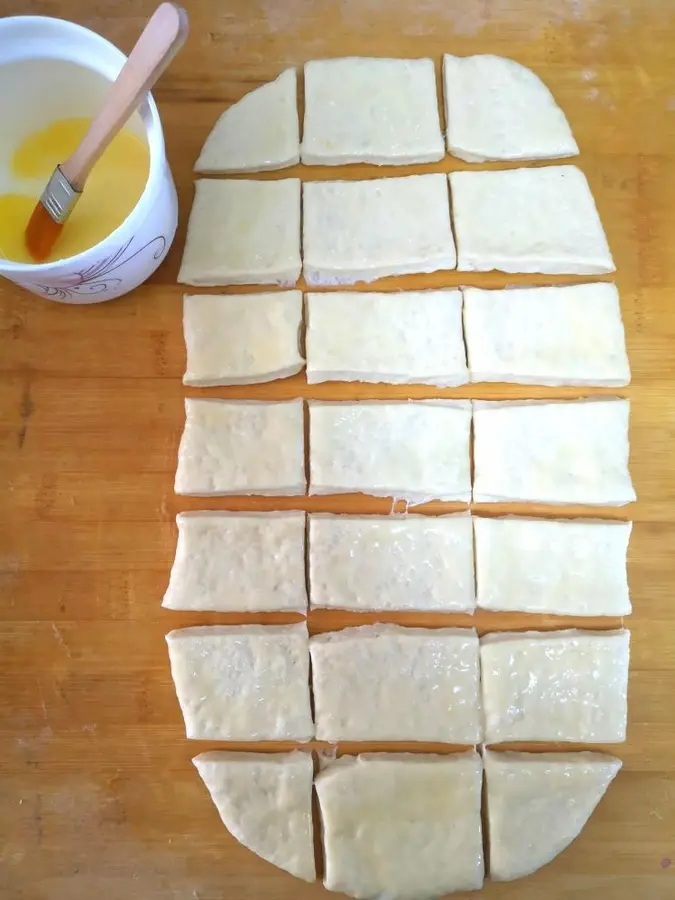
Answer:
(391, 562)
(243, 682)
(407, 337)
(555, 686)
(372, 110)
(552, 452)
(241, 447)
(412, 451)
(528, 220)
(571, 334)
(388, 683)
(574, 567)
(402, 826)
(243, 232)
(227, 561)
(242, 338)
(364, 230)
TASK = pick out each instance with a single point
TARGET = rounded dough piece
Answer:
(538, 803)
(260, 132)
(265, 802)
(497, 109)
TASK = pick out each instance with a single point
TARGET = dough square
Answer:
(228, 561)
(552, 452)
(265, 802)
(392, 562)
(411, 451)
(405, 826)
(261, 131)
(528, 220)
(497, 109)
(242, 338)
(555, 686)
(407, 337)
(243, 232)
(572, 334)
(388, 683)
(361, 109)
(364, 230)
(574, 567)
(243, 682)
(241, 447)
(538, 803)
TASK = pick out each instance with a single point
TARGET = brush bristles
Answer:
(42, 233)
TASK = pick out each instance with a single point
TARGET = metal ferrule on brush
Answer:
(59, 197)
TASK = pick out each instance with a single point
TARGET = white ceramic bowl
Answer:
(39, 83)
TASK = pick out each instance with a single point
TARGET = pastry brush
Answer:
(159, 42)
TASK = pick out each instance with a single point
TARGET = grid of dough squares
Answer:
(403, 825)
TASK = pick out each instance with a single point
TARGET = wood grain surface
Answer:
(98, 798)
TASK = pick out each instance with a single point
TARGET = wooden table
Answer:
(98, 798)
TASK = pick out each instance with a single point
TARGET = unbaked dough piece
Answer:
(411, 451)
(241, 447)
(572, 567)
(555, 686)
(364, 230)
(545, 452)
(242, 338)
(392, 562)
(402, 826)
(389, 683)
(243, 232)
(258, 132)
(571, 334)
(408, 337)
(496, 109)
(528, 220)
(227, 561)
(538, 803)
(361, 109)
(265, 802)
(243, 682)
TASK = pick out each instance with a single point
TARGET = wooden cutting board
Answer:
(98, 798)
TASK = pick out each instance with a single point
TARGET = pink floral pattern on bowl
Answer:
(102, 277)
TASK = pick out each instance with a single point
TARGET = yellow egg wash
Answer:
(112, 190)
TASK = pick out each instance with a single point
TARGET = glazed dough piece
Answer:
(569, 568)
(265, 802)
(538, 803)
(259, 132)
(392, 562)
(402, 826)
(528, 220)
(545, 452)
(555, 686)
(364, 230)
(381, 111)
(497, 109)
(241, 447)
(243, 682)
(571, 334)
(243, 232)
(388, 683)
(411, 451)
(229, 561)
(409, 337)
(242, 338)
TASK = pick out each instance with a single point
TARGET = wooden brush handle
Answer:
(161, 39)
